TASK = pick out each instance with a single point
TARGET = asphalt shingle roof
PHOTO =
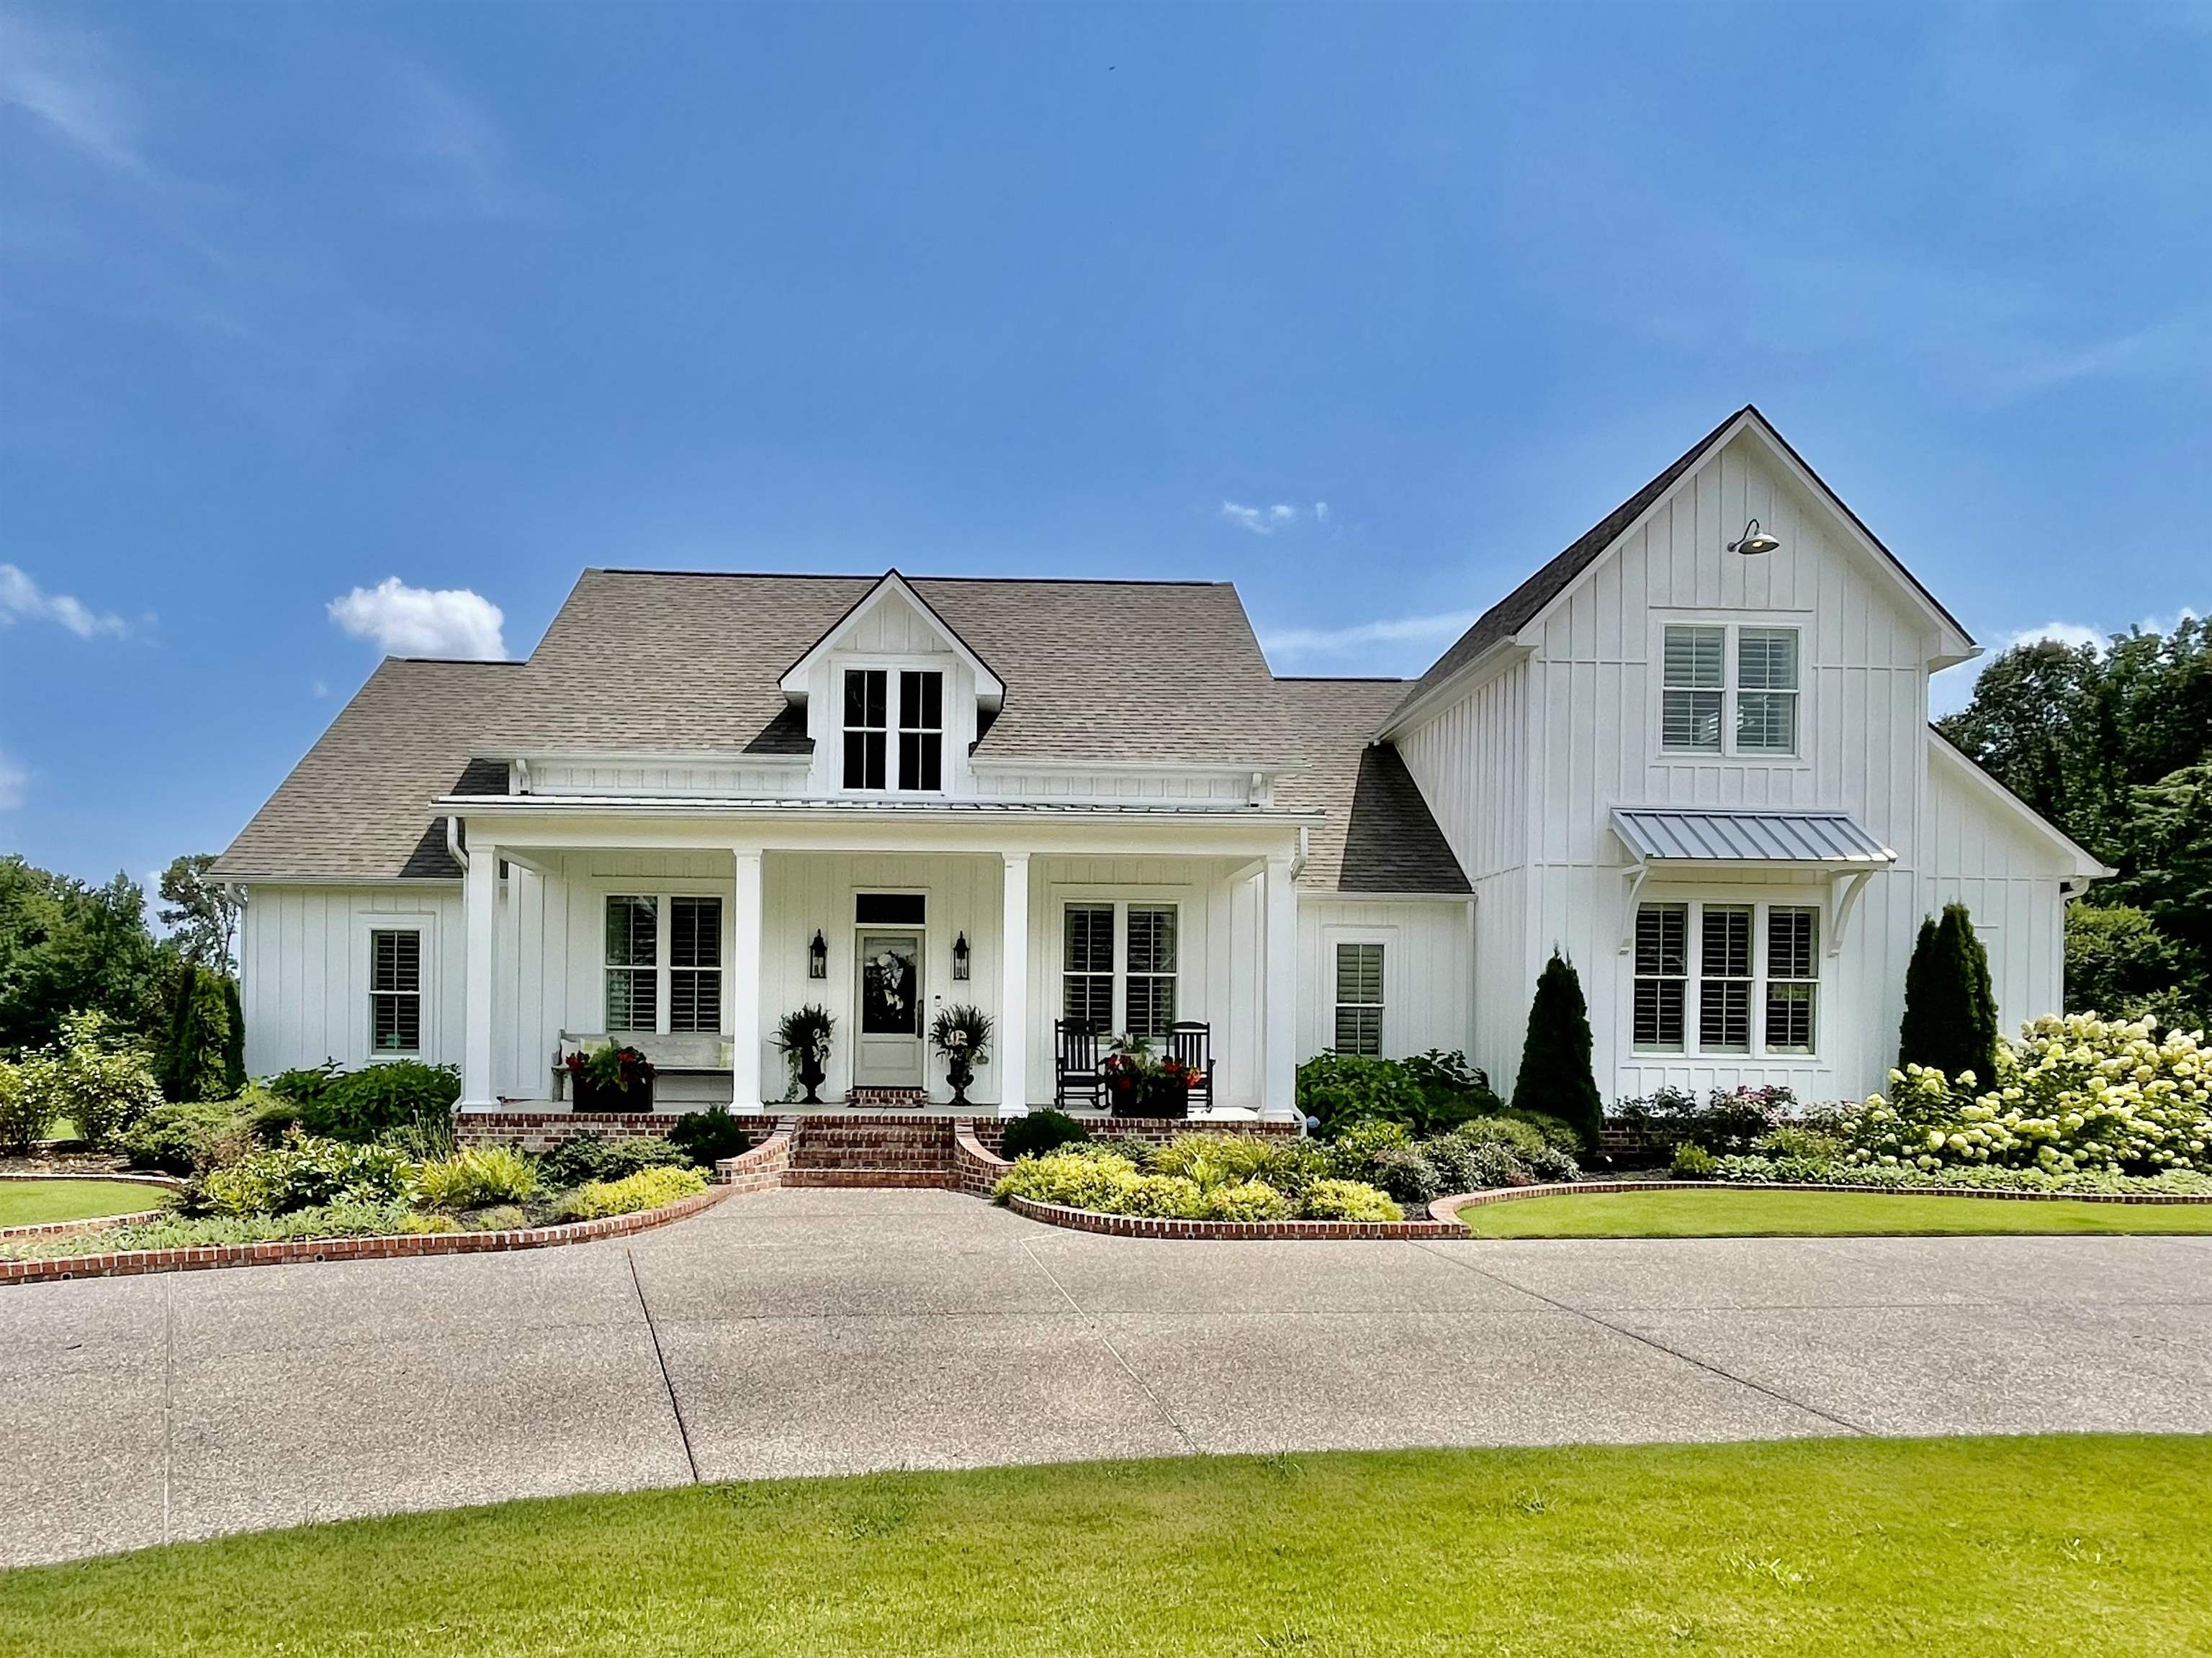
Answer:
(1379, 835)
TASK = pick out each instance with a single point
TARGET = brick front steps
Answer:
(871, 1151)
(127, 1263)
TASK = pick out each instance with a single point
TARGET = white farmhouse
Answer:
(1690, 752)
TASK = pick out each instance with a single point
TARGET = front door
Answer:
(888, 1050)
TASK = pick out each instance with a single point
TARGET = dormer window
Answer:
(878, 701)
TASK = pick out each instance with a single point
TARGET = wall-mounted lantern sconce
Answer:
(818, 957)
(1754, 541)
(960, 956)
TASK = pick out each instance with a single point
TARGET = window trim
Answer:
(1761, 902)
(663, 943)
(1122, 902)
(376, 994)
(424, 923)
(1733, 625)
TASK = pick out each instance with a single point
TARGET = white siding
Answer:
(303, 956)
(1982, 855)
(1428, 991)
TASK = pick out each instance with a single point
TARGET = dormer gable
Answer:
(892, 620)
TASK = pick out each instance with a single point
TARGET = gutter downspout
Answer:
(454, 843)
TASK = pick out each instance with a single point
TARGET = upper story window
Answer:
(878, 701)
(1706, 667)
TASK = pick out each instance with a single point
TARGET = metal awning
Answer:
(1820, 840)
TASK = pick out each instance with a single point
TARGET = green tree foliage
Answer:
(96, 1074)
(233, 1046)
(65, 948)
(200, 912)
(1950, 1012)
(2115, 747)
(1555, 1077)
(192, 1064)
(2118, 962)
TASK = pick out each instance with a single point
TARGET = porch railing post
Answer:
(479, 926)
(1280, 1031)
(746, 983)
(1013, 1044)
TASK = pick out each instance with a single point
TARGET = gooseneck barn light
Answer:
(1754, 541)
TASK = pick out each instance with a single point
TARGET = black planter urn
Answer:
(811, 1076)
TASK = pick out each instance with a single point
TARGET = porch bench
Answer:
(676, 1053)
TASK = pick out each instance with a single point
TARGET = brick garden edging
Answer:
(126, 1263)
(1444, 1208)
(761, 1169)
(1148, 1226)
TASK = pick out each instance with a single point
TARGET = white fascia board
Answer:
(538, 805)
(1163, 768)
(655, 757)
(1318, 895)
(2087, 866)
(1446, 691)
(990, 689)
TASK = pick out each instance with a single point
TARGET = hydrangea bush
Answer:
(2077, 1095)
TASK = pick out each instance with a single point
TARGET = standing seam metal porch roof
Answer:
(1674, 835)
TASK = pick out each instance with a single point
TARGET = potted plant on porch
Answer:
(606, 1078)
(1140, 1083)
(962, 1034)
(803, 1038)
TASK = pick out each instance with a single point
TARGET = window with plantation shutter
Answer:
(1694, 683)
(1662, 965)
(694, 963)
(1151, 995)
(1766, 690)
(633, 937)
(1793, 972)
(1724, 979)
(395, 991)
(1360, 999)
(1087, 967)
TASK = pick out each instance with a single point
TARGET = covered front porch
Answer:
(691, 935)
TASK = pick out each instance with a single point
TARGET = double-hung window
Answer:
(395, 991)
(1360, 999)
(663, 964)
(1757, 986)
(878, 701)
(1706, 667)
(1134, 944)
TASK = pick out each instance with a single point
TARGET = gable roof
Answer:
(683, 661)
(1378, 834)
(1511, 614)
(2087, 866)
(358, 806)
(988, 686)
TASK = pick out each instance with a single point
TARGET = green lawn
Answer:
(1748, 1211)
(29, 1202)
(2011, 1547)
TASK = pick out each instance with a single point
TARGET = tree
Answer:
(66, 947)
(2117, 963)
(233, 1046)
(191, 1065)
(202, 911)
(1950, 1020)
(1555, 1075)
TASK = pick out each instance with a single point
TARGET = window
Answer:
(1663, 961)
(922, 730)
(1766, 690)
(1734, 978)
(1134, 944)
(1691, 676)
(1151, 978)
(694, 963)
(1696, 687)
(1360, 999)
(1793, 970)
(395, 991)
(866, 727)
(1087, 967)
(633, 982)
(1724, 981)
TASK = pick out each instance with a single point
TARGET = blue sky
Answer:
(321, 326)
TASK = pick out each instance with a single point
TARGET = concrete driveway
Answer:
(827, 1332)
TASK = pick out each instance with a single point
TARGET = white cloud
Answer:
(65, 80)
(23, 600)
(1360, 635)
(1262, 520)
(407, 620)
(1321, 512)
(13, 778)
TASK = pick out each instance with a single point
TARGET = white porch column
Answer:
(1280, 1031)
(479, 925)
(745, 985)
(1013, 1055)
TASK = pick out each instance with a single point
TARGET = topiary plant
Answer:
(1555, 1077)
(1950, 1022)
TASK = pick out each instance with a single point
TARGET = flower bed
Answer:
(1248, 1179)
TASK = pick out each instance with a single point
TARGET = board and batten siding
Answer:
(1427, 972)
(303, 956)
